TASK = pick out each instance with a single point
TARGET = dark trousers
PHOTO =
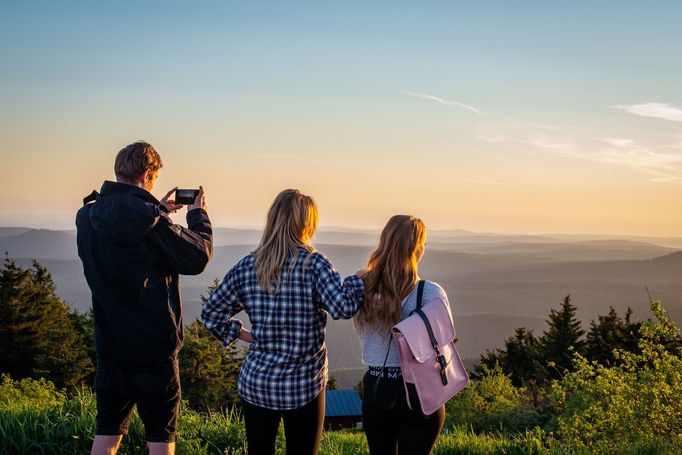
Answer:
(302, 428)
(398, 430)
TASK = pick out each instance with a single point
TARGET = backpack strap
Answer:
(420, 293)
(434, 343)
(90, 197)
(383, 368)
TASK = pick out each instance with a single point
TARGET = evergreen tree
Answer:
(562, 338)
(521, 358)
(37, 335)
(208, 371)
(84, 323)
(518, 359)
(489, 361)
(611, 332)
(360, 387)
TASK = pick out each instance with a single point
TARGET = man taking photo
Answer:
(132, 254)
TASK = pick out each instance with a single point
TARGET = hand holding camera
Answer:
(193, 199)
(199, 201)
(171, 204)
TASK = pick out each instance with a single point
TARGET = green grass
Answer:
(36, 418)
(52, 423)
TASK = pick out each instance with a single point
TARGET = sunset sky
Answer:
(525, 117)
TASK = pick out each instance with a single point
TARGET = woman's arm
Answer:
(219, 309)
(341, 299)
(245, 335)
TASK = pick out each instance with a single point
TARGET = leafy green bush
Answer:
(635, 406)
(632, 407)
(28, 394)
(493, 404)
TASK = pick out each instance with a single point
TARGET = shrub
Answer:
(28, 394)
(633, 406)
(493, 403)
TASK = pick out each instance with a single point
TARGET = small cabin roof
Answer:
(340, 403)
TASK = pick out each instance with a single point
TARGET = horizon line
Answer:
(378, 230)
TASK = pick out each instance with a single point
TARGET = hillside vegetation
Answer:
(614, 388)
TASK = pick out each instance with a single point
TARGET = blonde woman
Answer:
(391, 295)
(287, 289)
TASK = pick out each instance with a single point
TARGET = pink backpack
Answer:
(432, 370)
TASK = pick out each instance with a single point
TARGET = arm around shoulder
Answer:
(340, 298)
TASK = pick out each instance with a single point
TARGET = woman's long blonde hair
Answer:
(391, 272)
(291, 223)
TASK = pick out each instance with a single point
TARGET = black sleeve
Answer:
(185, 251)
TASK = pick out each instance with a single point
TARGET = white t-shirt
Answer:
(374, 343)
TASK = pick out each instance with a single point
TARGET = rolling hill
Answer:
(493, 287)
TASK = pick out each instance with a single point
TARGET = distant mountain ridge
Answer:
(39, 243)
(7, 231)
(493, 287)
(672, 259)
(28, 242)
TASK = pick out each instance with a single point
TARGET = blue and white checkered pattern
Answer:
(286, 365)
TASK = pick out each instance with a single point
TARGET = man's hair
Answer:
(134, 159)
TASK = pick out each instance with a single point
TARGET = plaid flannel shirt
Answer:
(286, 365)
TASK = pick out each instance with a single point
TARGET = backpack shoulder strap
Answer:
(420, 293)
(434, 343)
(90, 197)
(429, 329)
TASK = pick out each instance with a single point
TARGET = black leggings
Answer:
(302, 428)
(398, 430)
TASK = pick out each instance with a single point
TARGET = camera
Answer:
(185, 196)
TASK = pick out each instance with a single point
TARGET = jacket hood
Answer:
(124, 213)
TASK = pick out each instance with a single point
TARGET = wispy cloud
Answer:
(305, 159)
(484, 182)
(492, 137)
(663, 162)
(641, 159)
(663, 111)
(617, 141)
(444, 102)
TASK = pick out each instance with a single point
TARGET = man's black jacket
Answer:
(132, 254)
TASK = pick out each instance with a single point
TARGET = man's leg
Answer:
(161, 448)
(113, 411)
(105, 444)
(157, 394)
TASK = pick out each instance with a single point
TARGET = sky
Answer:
(510, 117)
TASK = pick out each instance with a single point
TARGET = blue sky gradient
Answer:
(548, 116)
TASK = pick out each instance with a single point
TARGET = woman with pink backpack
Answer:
(391, 288)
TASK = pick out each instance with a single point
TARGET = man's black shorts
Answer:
(155, 389)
